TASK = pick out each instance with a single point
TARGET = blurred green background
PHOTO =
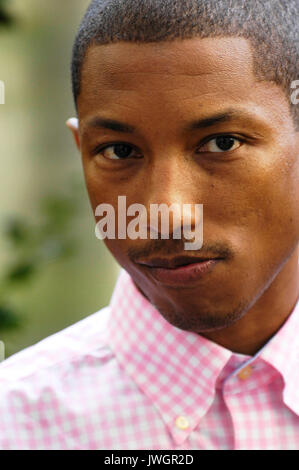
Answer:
(53, 270)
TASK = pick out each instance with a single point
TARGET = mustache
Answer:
(176, 246)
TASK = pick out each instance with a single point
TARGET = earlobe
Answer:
(73, 125)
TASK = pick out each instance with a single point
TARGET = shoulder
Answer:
(58, 349)
(61, 392)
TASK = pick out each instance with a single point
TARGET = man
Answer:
(180, 102)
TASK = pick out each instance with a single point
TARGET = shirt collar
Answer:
(178, 370)
(281, 352)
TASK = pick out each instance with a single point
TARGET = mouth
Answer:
(180, 270)
(175, 262)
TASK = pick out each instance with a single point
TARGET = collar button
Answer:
(182, 422)
(245, 373)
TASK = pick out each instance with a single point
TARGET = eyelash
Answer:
(100, 148)
(213, 137)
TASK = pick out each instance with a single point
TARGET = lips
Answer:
(180, 270)
(175, 262)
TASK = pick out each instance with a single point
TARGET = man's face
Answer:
(249, 192)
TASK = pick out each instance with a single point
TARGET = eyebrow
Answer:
(103, 123)
(231, 114)
(225, 116)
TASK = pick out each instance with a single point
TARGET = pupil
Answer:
(224, 142)
(122, 151)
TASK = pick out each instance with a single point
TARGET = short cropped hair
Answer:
(271, 26)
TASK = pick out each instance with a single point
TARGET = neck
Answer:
(249, 334)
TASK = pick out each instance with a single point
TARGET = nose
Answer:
(173, 197)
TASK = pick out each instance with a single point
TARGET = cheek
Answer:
(254, 205)
(119, 250)
(279, 190)
(99, 191)
(92, 183)
(272, 215)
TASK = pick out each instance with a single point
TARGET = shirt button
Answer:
(245, 373)
(181, 422)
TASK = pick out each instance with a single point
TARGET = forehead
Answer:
(191, 55)
(126, 65)
(211, 73)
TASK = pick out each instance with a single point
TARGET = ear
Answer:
(73, 125)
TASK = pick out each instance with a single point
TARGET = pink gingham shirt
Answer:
(124, 378)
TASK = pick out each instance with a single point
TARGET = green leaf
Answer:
(21, 272)
(8, 318)
(5, 18)
(17, 231)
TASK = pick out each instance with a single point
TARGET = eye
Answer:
(116, 152)
(221, 143)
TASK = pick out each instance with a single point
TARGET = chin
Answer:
(202, 318)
